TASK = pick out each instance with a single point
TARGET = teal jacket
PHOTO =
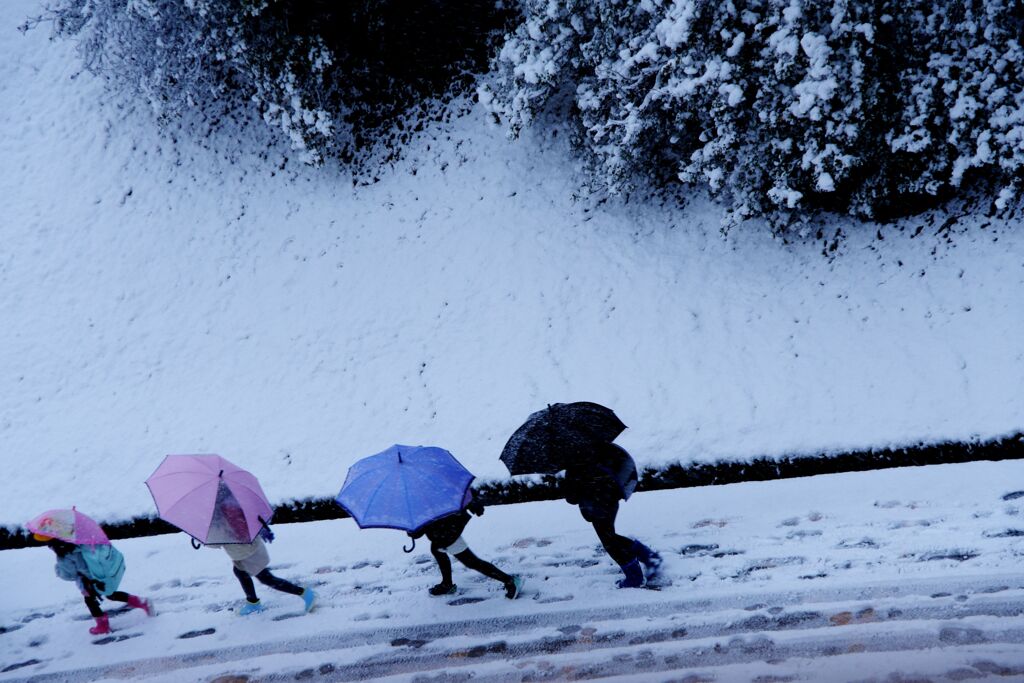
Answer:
(72, 567)
(96, 569)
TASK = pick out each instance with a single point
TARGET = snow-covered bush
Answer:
(336, 79)
(776, 104)
(186, 55)
(962, 97)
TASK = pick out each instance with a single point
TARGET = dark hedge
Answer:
(652, 479)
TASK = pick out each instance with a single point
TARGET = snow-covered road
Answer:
(909, 574)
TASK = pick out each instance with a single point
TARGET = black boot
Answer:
(651, 559)
(442, 589)
(634, 576)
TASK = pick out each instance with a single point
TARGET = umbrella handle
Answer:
(196, 544)
(265, 533)
(410, 549)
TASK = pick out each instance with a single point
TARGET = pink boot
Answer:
(141, 603)
(102, 626)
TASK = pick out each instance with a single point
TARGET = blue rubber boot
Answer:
(308, 597)
(250, 608)
(634, 576)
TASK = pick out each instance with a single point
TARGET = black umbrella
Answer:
(559, 435)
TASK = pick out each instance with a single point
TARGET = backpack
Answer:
(105, 564)
(623, 469)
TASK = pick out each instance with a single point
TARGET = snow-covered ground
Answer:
(897, 575)
(160, 298)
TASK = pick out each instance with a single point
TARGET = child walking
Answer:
(445, 537)
(597, 486)
(98, 571)
(251, 560)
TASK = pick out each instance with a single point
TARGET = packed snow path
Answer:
(908, 574)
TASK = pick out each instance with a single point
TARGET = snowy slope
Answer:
(161, 297)
(904, 574)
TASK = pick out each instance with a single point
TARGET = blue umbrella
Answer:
(405, 487)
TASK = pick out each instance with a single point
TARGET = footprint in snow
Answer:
(19, 665)
(709, 522)
(220, 606)
(864, 616)
(289, 615)
(909, 523)
(958, 555)
(585, 562)
(195, 634)
(367, 563)
(803, 533)
(768, 563)
(1013, 495)
(414, 643)
(1006, 533)
(469, 600)
(116, 639)
(366, 616)
(37, 615)
(697, 550)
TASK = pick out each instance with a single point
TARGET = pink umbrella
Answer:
(70, 526)
(209, 498)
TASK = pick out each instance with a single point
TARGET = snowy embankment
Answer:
(913, 572)
(158, 297)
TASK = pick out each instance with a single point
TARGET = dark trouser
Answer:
(602, 515)
(267, 579)
(92, 600)
(470, 560)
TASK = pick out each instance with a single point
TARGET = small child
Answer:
(251, 560)
(73, 565)
(597, 486)
(445, 537)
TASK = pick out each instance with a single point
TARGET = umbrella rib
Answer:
(262, 496)
(183, 495)
(360, 476)
(159, 480)
(195, 491)
(461, 471)
(373, 496)
(408, 503)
